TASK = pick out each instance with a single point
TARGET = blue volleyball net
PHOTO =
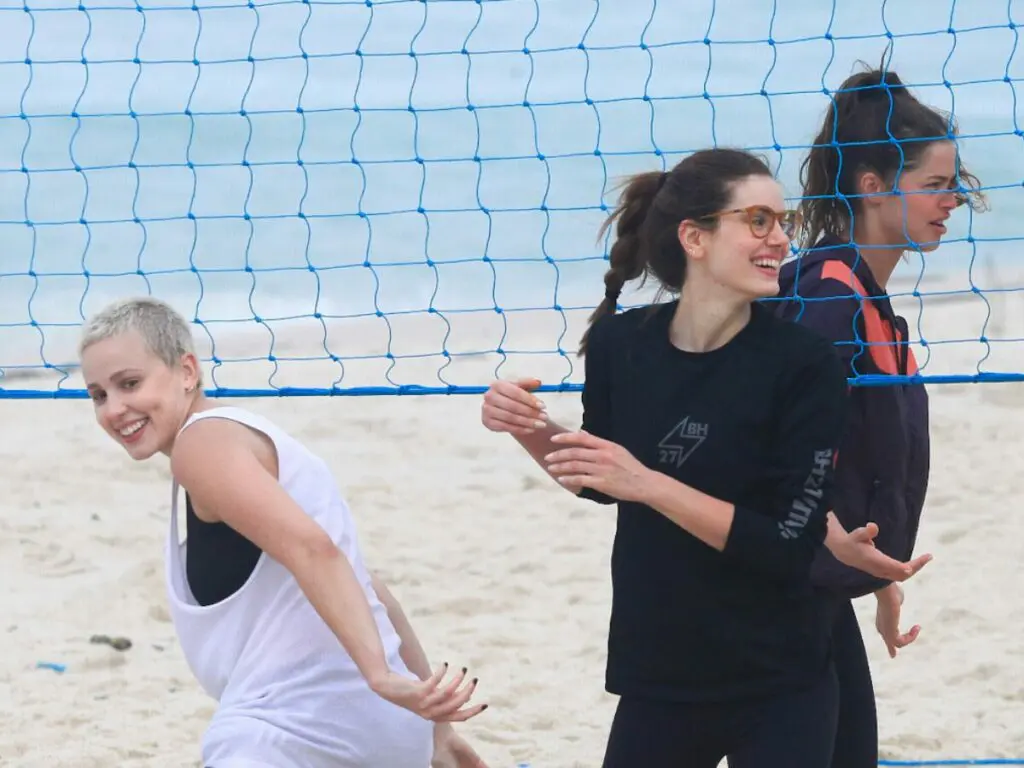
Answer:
(988, 761)
(403, 197)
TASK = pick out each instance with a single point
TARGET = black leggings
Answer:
(795, 730)
(857, 731)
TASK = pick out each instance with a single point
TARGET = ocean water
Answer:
(277, 159)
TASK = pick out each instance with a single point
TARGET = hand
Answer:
(509, 407)
(452, 751)
(856, 549)
(587, 461)
(887, 619)
(427, 698)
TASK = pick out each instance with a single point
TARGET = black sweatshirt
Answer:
(755, 423)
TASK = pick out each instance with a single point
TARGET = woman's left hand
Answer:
(452, 751)
(856, 549)
(586, 461)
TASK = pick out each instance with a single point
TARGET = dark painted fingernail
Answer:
(476, 680)
(465, 670)
(485, 706)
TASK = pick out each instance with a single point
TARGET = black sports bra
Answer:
(218, 559)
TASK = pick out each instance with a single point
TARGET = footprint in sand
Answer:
(52, 560)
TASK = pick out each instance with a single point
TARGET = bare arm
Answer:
(538, 443)
(415, 658)
(701, 515)
(225, 468)
(411, 650)
(510, 406)
(215, 462)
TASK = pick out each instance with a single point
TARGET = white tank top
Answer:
(288, 693)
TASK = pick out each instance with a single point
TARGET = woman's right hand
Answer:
(887, 619)
(509, 407)
(428, 698)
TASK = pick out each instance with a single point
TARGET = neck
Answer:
(197, 403)
(881, 260)
(704, 321)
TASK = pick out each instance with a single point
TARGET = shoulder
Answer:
(619, 328)
(211, 438)
(806, 277)
(800, 350)
(788, 335)
(817, 296)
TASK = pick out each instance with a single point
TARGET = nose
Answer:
(778, 236)
(948, 201)
(114, 408)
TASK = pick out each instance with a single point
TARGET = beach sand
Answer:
(498, 568)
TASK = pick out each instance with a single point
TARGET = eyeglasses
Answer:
(761, 219)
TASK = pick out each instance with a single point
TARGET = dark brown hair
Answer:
(651, 207)
(873, 124)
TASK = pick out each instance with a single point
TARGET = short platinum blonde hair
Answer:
(162, 328)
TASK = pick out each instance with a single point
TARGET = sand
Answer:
(499, 568)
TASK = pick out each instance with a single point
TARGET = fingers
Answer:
(508, 407)
(516, 391)
(435, 679)
(908, 637)
(571, 469)
(452, 711)
(572, 454)
(582, 459)
(438, 694)
(893, 644)
(527, 384)
(444, 703)
(504, 415)
(591, 462)
(865, 534)
(575, 483)
(572, 460)
(871, 560)
(575, 468)
(911, 569)
(579, 438)
(890, 646)
(918, 563)
(464, 714)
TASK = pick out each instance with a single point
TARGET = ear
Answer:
(693, 238)
(872, 188)
(190, 369)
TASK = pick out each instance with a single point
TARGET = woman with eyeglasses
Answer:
(886, 186)
(713, 426)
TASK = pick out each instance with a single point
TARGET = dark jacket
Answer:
(883, 461)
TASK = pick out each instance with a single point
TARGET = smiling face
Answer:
(916, 218)
(139, 400)
(743, 253)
